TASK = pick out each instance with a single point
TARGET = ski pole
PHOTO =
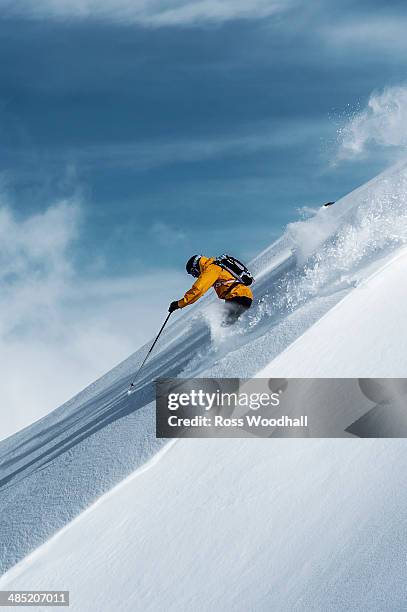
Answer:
(150, 351)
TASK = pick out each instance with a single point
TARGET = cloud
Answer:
(141, 156)
(166, 235)
(385, 34)
(33, 262)
(383, 123)
(145, 12)
(61, 329)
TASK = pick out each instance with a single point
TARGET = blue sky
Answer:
(213, 131)
(168, 127)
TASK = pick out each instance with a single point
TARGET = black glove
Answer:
(173, 306)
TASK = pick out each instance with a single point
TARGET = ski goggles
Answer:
(195, 269)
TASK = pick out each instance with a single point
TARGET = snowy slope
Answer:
(61, 464)
(363, 335)
(310, 525)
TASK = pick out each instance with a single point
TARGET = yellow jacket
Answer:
(216, 277)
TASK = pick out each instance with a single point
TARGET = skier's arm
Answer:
(200, 286)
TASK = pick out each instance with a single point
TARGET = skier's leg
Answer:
(234, 308)
(231, 313)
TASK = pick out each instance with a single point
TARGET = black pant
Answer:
(235, 307)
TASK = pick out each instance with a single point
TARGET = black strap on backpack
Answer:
(236, 268)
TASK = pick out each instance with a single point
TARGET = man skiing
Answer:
(229, 286)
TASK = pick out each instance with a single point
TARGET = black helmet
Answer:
(192, 266)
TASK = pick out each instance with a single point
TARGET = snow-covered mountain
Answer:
(129, 522)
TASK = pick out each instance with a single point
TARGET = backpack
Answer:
(235, 268)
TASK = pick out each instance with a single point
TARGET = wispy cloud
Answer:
(167, 235)
(383, 123)
(146, 12)
(59, 330)
(385, 34)
(144, 155)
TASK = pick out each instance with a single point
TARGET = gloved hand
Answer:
(173, 306)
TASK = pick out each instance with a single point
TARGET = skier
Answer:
(231, 287)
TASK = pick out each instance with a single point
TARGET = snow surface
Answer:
(240, 525)
(375, 312)
(236, 524)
